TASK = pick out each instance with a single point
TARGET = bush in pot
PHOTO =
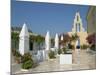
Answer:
(16, 53)
(17, 56)
(27, 61)
(59, 51)
(27, 64)
(26, 57)
(64, 51)
(70, 46)
(93, 47)
(51, 54)
(66, 57)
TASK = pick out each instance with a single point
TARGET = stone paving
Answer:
(84, 60)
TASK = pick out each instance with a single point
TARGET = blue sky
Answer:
(40, 17)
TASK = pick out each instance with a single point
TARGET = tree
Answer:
(39, 39)
(52, 42)
(66, 38)
(74, 38)
(15, 38)
(91, 39)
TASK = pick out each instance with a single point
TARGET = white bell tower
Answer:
(77, 25)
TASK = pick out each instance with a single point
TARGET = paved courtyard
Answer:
(84, 60)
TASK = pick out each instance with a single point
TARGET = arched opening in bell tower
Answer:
(77, 27)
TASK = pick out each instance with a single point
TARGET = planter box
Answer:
(65, 58)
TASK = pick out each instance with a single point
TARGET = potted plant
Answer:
(93, 47)
(51, 55)
(66, 57)
(25, 57)
(27, 62)
(59, 51)
(17, 56)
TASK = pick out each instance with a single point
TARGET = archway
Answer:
(78, 44)
(78, 27)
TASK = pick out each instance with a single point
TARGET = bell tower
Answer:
(77, 25)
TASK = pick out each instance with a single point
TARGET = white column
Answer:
(56, 41)
(24, 40)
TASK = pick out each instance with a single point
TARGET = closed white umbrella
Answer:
(47, 41)
(62, 38)
(47, 45)
(57, 41)
(24, 40)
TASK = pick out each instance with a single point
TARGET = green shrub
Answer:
(27, 64)
(52, 54)
(27, 61)
(16, 53)
(84, 46)
(70, 46)
(93, 47)
(64, 50)
(26, 57)
(59, 51)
